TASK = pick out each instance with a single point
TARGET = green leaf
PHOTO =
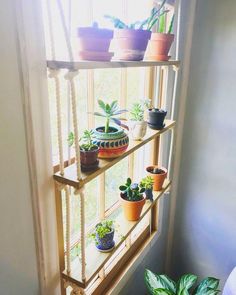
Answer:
(99, 114)
(123, 188)
(207, 283)
(114, 105)
(162, 22)
(161, 291)
(185, 283)
(102, 105)
(171, 24)
(129, 181)
(156, 283)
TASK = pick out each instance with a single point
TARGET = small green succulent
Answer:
(147, 182)
(109, 111)
(132, 191)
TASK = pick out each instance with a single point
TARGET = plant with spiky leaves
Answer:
(109, 111)
(163, 285)
(146, 24)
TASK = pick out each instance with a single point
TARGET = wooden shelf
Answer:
(82, 65)
(70, 176)
(95, 260)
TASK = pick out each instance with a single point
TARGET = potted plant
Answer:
(131, 40)
(111, 140)
(137, 124)
(156, 118)
(132, 199)
(162, 284)
(147, 182)
(88, 150)
(94, 43)
(161, 41)
(158, 175)
(103, 236)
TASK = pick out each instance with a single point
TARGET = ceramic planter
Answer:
(159, 46)
(130, 44)
(137, 129)
(111, 144)
(94, 43)
(89, 159)
(157, 178)
(132, 209)
(156, 118)
(106, 243)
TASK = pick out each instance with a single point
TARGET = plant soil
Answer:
(110, 130)
(156, 171)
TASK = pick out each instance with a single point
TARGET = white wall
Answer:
(205, 231)
(18, 270)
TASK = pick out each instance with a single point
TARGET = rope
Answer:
(68, 222)
(54, 74)
(82, 231)
(70, 77)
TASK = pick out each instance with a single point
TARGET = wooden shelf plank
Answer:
(95, 260)
(82, 65)
(70, 176)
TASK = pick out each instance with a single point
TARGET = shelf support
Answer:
(75, 289)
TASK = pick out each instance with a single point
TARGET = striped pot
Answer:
(111, 144)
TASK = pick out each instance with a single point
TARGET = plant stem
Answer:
(107, 125)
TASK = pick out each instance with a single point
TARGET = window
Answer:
(127, 85)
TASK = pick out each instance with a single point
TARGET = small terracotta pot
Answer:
(130, 44)
(158, 178)
(94, 43)
(159, 46)
(132, 209)
(89, 159)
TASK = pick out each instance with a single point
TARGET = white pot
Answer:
(137, 129)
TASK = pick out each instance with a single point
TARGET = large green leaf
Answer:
(161, 291)
(185, 283)
(207, 283)
(158, 282)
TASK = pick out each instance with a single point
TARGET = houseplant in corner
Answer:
(158, 175)
(94, 43)
(132, 199)
(103, 236)
(111, 140)
(163, 285)
(88, 150)
(147, 182)
(131, 40)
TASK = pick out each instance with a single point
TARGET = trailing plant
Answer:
(132, 191)
(163, 285)
(102, 229)
(147, 182)
(109, 111)
(146, 24)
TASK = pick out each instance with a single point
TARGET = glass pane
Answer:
(114, 177)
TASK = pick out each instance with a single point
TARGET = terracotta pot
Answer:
(159, 46)
(132, 209)
(130, 44)
(94, 43)
(89, 159)
(137, 129)
(158, 178)
(111, 144)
